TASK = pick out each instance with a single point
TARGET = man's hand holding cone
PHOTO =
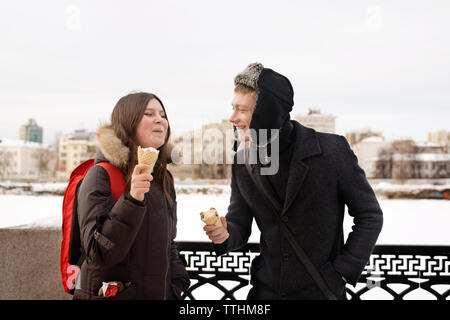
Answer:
(215, 226)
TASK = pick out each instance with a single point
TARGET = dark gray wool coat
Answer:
(127, 240)
(324, 176)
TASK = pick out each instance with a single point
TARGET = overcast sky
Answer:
(378, 64)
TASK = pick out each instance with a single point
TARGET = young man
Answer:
(300, 208)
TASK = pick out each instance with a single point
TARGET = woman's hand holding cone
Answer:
(140, 182)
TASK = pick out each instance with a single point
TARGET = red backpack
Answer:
(71, 250)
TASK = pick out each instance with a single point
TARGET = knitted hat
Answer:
(249, 76)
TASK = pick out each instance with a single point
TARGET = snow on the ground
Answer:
(387, 186)
(20, 210)
(23, 188)
(422, 222)
(414, 222)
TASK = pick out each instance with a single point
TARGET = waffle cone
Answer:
(147, 156)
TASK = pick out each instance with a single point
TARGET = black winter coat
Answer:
(324, 176)
(127, 240)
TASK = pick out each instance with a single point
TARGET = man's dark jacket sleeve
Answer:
(364, 208)
(239, 220)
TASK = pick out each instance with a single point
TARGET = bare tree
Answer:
(404, 158)
(383, 165)
(5, 163)
(398, 161)
(55, 143)
(45, 158)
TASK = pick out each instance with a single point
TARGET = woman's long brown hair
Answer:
(125, 118)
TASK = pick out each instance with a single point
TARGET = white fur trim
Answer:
(112, 148)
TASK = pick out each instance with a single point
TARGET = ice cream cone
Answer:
(147, 156)
(211, 217)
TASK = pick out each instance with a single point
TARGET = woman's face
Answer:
(152, 129)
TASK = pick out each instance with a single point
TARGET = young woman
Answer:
(131, 240)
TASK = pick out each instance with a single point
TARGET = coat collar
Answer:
(306, 142)
(306, 145)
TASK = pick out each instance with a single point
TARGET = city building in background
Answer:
(73, 149)
(31, 132)
(441, 137)
(367, 150)
(402, 159)
(355, 136)
(204, 153)
(26, 161)
(318, 121)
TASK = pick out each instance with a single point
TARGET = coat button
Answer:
(286, 256)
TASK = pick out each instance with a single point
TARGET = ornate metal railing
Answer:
(393, 272)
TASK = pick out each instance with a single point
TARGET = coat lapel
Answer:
(254, 171)
(306, 145)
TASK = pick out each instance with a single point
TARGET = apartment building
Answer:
(24, 160)
(74, 148)
(318, 121)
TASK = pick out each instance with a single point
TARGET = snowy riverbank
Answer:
(423, 222)
(384, 189)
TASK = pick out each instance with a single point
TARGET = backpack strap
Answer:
(116, 179)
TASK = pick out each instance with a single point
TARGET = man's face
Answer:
(243, 105)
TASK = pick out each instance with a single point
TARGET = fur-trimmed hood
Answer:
(112, 147)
